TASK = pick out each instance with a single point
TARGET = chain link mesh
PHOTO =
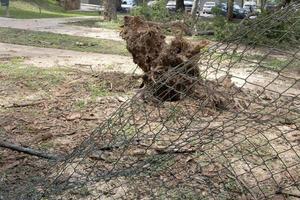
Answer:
(246, 147)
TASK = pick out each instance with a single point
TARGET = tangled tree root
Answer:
(170, 70)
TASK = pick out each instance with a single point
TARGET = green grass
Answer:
(98, 90)
(80, 104)
(33, 77)
(61, 41)
(29, 9)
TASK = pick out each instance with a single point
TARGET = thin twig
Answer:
(166, 151)
(287, 194)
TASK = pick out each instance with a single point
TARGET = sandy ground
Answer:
(52, 116)
(47, 57)
(57, 25)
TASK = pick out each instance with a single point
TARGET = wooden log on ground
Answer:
(29, 151)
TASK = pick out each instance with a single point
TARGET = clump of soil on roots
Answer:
(170, 70)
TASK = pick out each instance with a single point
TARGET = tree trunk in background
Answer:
(71, 4)
(230, 10)
(195, 8)
(242, 2)
(110, 10)
(283, 3)
(140, 2)
(262, 5)
(7, 11)
(118, 4)
(180, 5)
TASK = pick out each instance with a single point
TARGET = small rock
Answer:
(121, 99)
(73, 116)
(138, 152)
(100, 155)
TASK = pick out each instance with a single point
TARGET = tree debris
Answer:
(171, 71)
(146, 43)
(29, 151)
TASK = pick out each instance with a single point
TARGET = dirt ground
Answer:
(54, 109)
(52, 100)
(58, 25)
(46, 57)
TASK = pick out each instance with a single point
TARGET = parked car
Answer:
(151, 3)
(207, 7)
(188, 4)
(128, 5)
(270, 7)
(238, 11)
(250, 6)
(171, 6)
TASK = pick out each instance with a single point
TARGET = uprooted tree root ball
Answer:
(170, 70)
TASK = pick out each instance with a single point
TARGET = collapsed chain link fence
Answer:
(245, 148)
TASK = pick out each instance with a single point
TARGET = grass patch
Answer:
(26, 9)
(33, 77)
(98, 90)
(61, 41)
(80, 104)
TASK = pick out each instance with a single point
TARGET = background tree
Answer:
(5, 3)
(283, 3)
(118, 4)
(110, 10)
(262, 5)
(195, 8)
(230, 9)
(180, 5)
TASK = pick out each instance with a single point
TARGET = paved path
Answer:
(58, 25)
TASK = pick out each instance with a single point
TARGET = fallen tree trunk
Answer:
(29, 151)
(177, 27)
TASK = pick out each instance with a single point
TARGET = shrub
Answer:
(156, 12)
(282, 33)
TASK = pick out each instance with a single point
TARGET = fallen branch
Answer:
(291, 195)
(29, 151)
(280, 191)
(176, 26)
(205, 33)
(175, 151)
(15, 105)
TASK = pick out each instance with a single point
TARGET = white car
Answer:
(207, 7)
(151, 3)
(128, 5)
(250, 6)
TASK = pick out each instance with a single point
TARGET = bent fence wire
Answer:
(246, 148)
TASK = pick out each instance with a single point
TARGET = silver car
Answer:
(207, 7)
